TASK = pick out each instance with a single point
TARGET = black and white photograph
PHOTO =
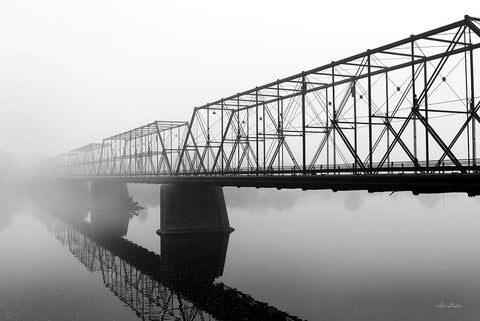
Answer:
(239, 161)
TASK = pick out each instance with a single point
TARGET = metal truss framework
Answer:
(409, 106)
(152, 149)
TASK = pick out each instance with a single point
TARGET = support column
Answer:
(75, 192)
(108, 195)
(188, 209)
(68, 199)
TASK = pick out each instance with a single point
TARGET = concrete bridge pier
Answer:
(108, 195)
(187, 209)
(72, 192)
(67, 198)
(109, 203)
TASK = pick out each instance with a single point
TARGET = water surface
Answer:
(314, 255)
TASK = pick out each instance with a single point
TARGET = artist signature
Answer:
(452, 305)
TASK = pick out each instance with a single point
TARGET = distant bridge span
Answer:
(399, 117)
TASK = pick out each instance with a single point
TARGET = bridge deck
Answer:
(416, 183)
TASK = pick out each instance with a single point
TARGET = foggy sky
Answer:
(72, 73)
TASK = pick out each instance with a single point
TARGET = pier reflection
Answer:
(178, 284)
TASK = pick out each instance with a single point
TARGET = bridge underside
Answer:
(416, 183)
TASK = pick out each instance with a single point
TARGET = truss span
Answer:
(410, 106)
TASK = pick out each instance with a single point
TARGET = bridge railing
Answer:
(397, 167)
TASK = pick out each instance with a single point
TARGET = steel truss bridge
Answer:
(402, 116)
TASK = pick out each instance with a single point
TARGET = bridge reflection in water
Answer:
(176, 285)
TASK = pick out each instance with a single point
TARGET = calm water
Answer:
(312, 255)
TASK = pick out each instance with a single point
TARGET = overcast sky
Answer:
(73, 72)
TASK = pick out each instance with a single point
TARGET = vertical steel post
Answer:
(248, 138)
(304, 138)
(387, 111)
(282, 115)
(222, 137)
(118, 158)
(355, 133)
(264, 138)
(141, 151)
(177, 145)
(256, 129)
(472, 108)
(107, 172)
(185, 143)
(130, 153)
(136, 154)
(467, 100)
(370, 140)
(171, 145)
(334, 120)
(425, 84)
(415, 106)
(278, 126)
(207, 145)
(327, 130)
(238, 132)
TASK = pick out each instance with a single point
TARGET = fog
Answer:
(72, 73)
